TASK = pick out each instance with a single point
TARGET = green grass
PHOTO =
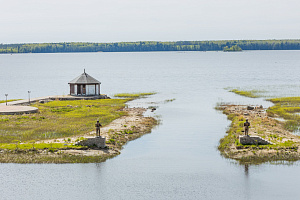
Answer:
(58, 119)
(232, 133)
(133, 95)
(3, 101)
(249, 93)
(289, 100)
(286, 108)
(10, 146)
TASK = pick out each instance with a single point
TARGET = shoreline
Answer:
(285, 145)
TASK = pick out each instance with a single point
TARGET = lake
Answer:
(179, 159)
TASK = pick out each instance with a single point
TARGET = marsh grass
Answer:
(248, 93)
(169, 100)
(133, 95)
(232, 133)
(60, 119)
(286, 108)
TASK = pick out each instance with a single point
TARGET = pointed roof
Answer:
(84, 78)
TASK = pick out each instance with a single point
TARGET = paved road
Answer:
(62, 97)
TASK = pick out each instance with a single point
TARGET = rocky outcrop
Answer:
(98, 142)
(252, 140)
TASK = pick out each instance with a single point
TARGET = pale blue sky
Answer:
(23, 21)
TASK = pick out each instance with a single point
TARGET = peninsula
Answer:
(52, 134)
(275, 125)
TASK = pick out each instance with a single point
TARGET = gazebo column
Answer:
(99, 88)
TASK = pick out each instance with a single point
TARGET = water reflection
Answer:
(246, 170)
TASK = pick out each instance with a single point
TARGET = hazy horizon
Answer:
(35, 21)
(145, 41)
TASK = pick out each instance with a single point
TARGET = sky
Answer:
(32, 21)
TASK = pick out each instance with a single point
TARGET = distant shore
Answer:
(145, 46)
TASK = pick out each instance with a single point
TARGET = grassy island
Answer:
(49, 136)
(275, 124)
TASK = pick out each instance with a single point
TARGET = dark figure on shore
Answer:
(98, 125)
(246, 125)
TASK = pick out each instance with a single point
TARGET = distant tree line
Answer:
(151, 46)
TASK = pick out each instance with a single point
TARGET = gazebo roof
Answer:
(84, 78)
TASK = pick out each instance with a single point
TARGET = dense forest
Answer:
(221, 45)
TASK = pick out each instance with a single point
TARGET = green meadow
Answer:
(57, 119)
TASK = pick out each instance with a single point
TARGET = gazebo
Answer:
(84, 85)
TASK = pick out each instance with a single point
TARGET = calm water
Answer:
(179, 159)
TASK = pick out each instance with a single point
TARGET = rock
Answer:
(252, 140)
(250, 108)
(93, 142)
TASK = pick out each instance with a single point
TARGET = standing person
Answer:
(246, 125)
(98, 125)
